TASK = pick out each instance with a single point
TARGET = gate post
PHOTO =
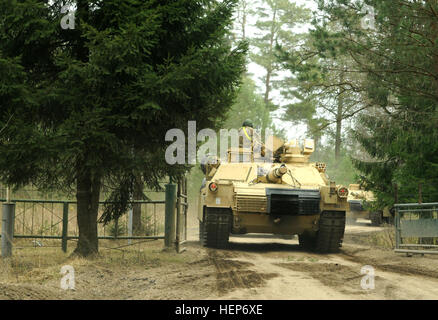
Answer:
(7, 228)
(64, 226)
(397, 228)
(178, 217)
(169, 222)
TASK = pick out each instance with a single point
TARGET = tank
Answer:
(357, 200)
(360, 206)
(283, 197)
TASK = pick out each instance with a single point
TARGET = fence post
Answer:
(397, 228)
(169, 222)
(7, 228)
(130, 218)
(64, 226)
(178, 216)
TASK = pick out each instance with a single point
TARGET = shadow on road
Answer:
(263, 247)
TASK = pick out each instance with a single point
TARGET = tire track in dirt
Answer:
(234, 274)
(275, 269)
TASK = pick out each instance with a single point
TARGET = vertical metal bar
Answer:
(155, 220)
(33, 217)
(42, 219)
(51, 222)
(186, 208)
(65, 226)
(178, 217)
(169, 221)
(24, 217)
(7, 229)
(130, 214)
(397, 228)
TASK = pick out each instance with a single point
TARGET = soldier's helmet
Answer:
(248, 123)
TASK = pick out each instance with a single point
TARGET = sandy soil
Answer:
(252, 268)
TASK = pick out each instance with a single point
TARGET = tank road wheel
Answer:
(216, 228)
(376, 218)
(331, 232)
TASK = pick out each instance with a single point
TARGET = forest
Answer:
(85, 107)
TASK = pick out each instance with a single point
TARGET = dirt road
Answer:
(266, 268)
(251, 268)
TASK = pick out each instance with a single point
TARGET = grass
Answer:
(383, 239)
(42, 264)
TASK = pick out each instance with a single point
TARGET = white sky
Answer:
(257, 72)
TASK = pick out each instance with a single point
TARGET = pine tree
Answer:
(276, 20)
(397, 53)
(83, 99)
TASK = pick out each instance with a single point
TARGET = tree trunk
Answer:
(88, 192)
(136, 208)
(338, 137)
(269, 69)
(267, 87)
(244, 18)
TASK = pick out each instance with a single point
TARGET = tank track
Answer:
(201, 233)
(331, 231)
(214, 231)
(329, 237)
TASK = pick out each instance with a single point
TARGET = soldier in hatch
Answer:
(249, 138)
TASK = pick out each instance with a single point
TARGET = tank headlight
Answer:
(212, 186)
(343, 192)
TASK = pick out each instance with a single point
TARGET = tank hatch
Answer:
(293, 202)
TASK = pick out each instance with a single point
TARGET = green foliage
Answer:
(98, 100)
(248, 105)
(116, 229)
(398, 59)
(341, 171)
(276, 20)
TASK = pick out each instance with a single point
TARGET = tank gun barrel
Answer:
(275, 174)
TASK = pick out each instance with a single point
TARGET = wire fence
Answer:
(42, 220)
(39, 220)
(416, 227)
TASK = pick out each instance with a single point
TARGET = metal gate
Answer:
(416, 228)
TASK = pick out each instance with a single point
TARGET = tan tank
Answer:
(288, 196)
(357, 198)
(360, 206)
